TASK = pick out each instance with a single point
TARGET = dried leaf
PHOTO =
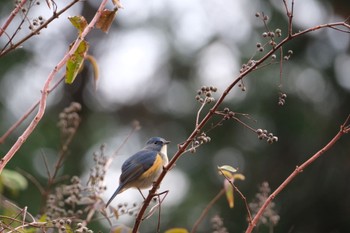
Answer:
(117, 3)
(106, 20)
(94, 64)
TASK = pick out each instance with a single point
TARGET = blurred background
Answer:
(156, 56)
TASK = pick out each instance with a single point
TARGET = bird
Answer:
(144, 167)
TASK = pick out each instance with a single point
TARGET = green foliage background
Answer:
(318, 200)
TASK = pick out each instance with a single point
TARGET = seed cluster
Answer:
(64, 202)
(289, 54)
(81, 228)
(205, 94)
(282, 99)
(217, 224)
(270, 216)
(69, 119)
(247, 66)
(199, 140)
(98, 172)
(228, 114)
(264, 134)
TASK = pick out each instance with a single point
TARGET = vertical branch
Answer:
(281, 66)
(290, 17)
(45, 90)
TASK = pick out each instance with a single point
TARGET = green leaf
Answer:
(227, 171)
(13, 180)
(76, 61)
(227, 168)
(79, 22)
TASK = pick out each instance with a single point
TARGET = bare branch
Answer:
(344, 128)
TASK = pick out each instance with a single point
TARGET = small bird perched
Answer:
(144, 167)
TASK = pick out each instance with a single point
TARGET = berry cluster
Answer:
(282, 99)
(204, 95)
(228, 114)
(289, 54)
(36, 22)
(263, 134)
(199, 140)
(268, 33)
(65, 195)
(81, 228)
(125, 208)
(98, 172)
(247, 66)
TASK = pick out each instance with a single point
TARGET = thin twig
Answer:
(206, 210)
(12, 16)
(36, 31)
(240, 194)
(200, 110)
(33, 180)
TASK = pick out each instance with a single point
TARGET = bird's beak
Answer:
(166, 142)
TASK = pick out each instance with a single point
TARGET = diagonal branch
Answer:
(344, 128)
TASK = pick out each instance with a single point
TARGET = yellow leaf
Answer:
(121, 229)
(227, 171)
(229, 193)
(177, 230)
(238, 176)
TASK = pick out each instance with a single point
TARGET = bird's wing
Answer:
(136, 165)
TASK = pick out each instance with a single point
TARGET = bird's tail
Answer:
(119, 190)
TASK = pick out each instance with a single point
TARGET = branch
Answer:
(45, 90)
(206, 210)
(211, 112)
(344, 128)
